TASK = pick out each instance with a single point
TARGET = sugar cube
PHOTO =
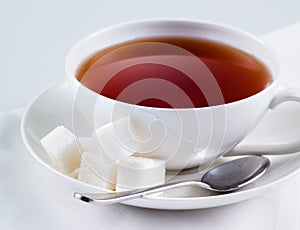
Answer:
(98, 169)
(117, 139)
(87, 144)
(139, 172)
(61, 146)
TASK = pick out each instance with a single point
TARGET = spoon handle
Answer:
(116, 197)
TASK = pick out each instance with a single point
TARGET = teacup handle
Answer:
(284, 95)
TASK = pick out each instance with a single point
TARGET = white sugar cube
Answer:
(117, 139)
(74, 174)
(139, 172)
(97, 168)
(87, 144)
(61, 146)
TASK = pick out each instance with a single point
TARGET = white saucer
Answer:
(54, 107)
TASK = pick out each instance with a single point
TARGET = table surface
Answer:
(35, 39)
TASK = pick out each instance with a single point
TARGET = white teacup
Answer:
(183, 137)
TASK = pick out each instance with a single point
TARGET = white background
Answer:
(36, 35)
(35, 38)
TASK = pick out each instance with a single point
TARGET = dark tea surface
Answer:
(174, 72)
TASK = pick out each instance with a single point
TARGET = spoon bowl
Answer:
(226, 177)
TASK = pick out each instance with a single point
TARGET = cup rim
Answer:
(182, 21)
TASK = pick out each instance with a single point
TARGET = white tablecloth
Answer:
(32, 198)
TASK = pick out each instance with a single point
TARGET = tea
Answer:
(153, 72)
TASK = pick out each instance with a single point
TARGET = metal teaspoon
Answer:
(226, 177)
